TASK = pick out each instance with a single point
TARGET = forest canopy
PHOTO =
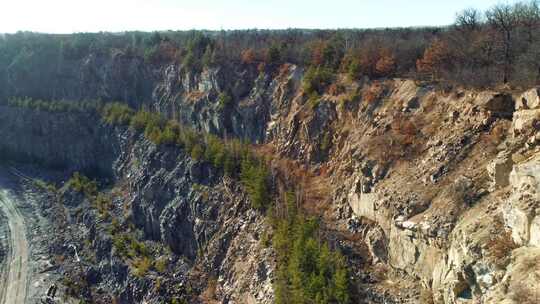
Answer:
(481, 49)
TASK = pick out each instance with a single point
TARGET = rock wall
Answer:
(67, 140)
(446, 180)
(439, 222)
(521, 214)
(193, 100)
(110, 77)
(191, 208)
(166, 87)
(185, 212)
(413, 161)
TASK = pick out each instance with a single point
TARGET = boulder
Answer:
(521, 214)
(408, 93)
(499, 171)
(362, 204)
(525, 121)
(529, 100)
(377, 245)
(520, 284)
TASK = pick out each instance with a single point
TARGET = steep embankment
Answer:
(171, 228)
(439, 187)
(416, 168)
(194, 226)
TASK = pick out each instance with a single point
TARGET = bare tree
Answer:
(503, 18)
(528, 16)
(468, 20)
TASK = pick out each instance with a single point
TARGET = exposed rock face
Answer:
(115, 76)
(526, 122)
(72, 141)
(499, 170)
(447, 182)
(190, 207)
(520, 283)
(522, 213)
(166, 87)
(500, 104)
(409, 94)
(193, 99)
(204, 218)
(451, 237)
(528, 100)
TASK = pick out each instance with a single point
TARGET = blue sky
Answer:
(65, 16)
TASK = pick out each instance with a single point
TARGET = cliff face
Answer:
(190, 216)
(440, 186)
(199, 214)
(169, 88)
(446, 192)
(115, 76)
(72, 141)
(193, 99)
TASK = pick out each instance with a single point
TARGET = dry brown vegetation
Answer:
(524, 294)
(313, 188)
(194, 96)
(209, 294)
(500, 246)
(373, 92)
(336, 89)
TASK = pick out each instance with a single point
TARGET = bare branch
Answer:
(468, 19)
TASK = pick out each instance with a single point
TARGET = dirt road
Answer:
(13, 286)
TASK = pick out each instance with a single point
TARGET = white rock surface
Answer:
(521, 213)
(529, 100)
(525, 121)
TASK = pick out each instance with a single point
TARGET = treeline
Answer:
(56, 105)
(265, 49)
(487, 48)
(497, 46)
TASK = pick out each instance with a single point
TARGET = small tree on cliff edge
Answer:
(503, 18)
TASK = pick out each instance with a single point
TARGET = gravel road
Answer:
(14, 283)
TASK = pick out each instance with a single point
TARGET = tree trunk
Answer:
(506, 57)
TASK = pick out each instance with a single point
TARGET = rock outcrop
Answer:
(94, 75)
(190, 207)
(524, 202)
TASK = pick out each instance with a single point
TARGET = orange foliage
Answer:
(168, 51)
(248, 56)
(436, 56)
(373, 93)
(368, 60)
(386, 64)
(317, 53)
(165, 52)
(372, 61)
